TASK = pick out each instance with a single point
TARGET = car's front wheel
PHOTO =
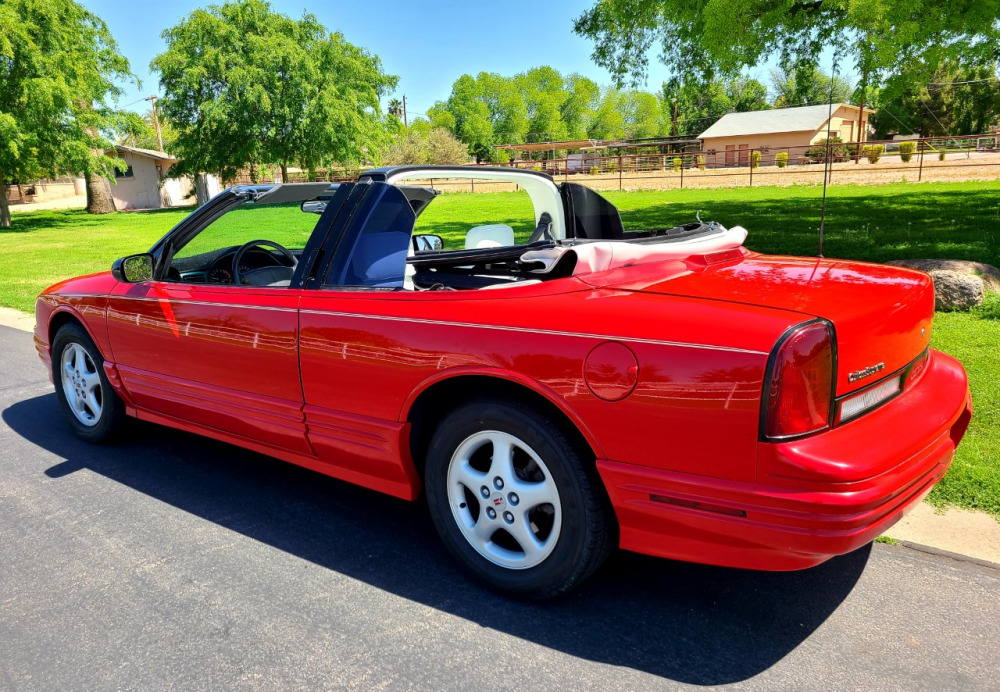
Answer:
(92, 408)
(514, 501)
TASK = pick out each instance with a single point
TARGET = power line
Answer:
(967, 81)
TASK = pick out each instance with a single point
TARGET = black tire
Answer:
(587, 535)
(111, 420)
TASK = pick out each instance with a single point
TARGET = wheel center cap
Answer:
(498, 502)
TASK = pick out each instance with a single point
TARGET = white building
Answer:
(145, 185)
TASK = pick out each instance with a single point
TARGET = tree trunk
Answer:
(253, 173)
(99, 200)
(201, 188)
(4, 206)
(284, 171)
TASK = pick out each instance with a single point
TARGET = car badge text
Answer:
(865, 372)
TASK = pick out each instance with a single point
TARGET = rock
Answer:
(989, 274)
(955, 290)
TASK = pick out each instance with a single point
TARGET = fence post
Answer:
(751, 168)
(920, 172)
(473, 182)
(682, 171)
(619, 172)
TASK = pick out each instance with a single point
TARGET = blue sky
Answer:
(427, 43)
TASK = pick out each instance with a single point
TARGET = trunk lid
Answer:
(882, 315)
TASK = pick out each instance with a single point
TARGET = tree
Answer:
(957, 100)
(471, 117)
(145, 136)
(248, 86)
(544, 94)
(59, 67)
(395, 108)
(807, 85)
(704, 38)
(508, 112)
(700, 104)
(642, 115)
(421, 146)
(608, 121)
(582, 96)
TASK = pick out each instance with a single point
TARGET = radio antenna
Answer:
(826, 163)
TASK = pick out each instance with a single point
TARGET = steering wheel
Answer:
(237, 277)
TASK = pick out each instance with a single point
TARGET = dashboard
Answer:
(217, 268)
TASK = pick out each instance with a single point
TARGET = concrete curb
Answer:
(956, 533)
(930, 550)
(17, 319)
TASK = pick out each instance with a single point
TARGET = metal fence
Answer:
(871, 162)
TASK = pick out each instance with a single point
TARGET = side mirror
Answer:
(427, 242)
(313, 206)
(133, 269)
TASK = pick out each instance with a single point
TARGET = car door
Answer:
(217, 356)
(351, 411)
(220, 357)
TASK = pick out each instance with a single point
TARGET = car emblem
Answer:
(865, 372)
(498, 500)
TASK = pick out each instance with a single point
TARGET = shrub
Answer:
(438, 146)
(594, 170)
(754, 159)
(873, 152)
(536, 167)
(941, 155)
(906, 150)
(817, 152)
(612, 166)
(781, 159)
(701, 163)
(677, 163)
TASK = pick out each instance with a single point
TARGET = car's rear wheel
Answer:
(514, 500)
(92, 408)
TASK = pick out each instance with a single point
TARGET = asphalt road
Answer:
(169, 561)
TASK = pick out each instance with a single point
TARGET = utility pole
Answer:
(405, 124)
(156, 123)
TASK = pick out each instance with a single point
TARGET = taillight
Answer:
(800, 384)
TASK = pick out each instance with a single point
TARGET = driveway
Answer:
(170, 561)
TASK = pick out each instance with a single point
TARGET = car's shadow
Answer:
(689, 623)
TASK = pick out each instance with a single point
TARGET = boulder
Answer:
(955, 290)
(989, 274)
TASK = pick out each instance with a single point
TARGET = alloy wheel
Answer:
(81, 383)
(504, 500)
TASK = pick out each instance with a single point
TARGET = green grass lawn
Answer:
(946, 220)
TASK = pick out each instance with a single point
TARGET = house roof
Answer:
(800, 119)
(148, 153)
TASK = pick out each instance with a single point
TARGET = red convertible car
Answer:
(556, 390)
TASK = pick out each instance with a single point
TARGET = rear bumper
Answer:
(814, 498)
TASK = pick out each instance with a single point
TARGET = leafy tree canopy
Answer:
(59, 69)
(700, 39)
(542, 105)
(700, 104)
(956, 100)
(247, 86)
(145, 136)
(807, 85)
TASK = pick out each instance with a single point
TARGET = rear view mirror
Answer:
(427, 242)
(133, 269)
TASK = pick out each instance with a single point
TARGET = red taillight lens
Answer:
(801, 384)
